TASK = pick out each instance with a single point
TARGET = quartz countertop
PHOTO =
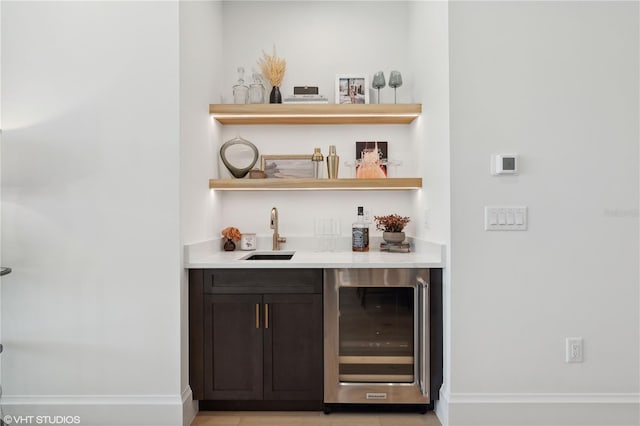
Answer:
(208, 254)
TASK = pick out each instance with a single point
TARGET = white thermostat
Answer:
(504, 164)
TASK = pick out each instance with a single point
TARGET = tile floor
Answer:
(313, 418)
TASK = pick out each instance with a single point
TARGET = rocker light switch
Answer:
(512, 218)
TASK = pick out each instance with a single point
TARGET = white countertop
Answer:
(209, 255)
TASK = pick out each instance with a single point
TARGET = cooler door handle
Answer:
(423, 287)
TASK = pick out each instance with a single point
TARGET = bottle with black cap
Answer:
(360, 233)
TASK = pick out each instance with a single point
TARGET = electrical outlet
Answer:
(574, 350)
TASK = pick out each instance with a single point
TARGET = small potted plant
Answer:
(273, 69)
(392, 226)
(231, 235)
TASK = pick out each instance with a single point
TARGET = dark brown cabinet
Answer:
(256, 338)
(233, 351)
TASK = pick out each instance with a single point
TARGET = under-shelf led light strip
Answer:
(300, 188)
(226, 115)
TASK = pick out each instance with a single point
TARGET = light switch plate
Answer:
(505, 218)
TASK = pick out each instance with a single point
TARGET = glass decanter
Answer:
(240, 90)
(256, 90)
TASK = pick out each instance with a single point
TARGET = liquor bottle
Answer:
(360, 233)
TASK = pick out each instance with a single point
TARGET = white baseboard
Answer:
(539, 409)
(99, 410)
(189, 406)
(442, 407)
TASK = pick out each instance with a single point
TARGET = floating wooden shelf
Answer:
(315, 184)
(315, 114)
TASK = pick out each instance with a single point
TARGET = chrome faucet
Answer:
(277, 239)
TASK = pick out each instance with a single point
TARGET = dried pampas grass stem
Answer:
(272, 67)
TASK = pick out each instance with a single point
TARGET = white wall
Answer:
(429, 62)
(200, 62)
(200, 84)
(90, 208)
(556, 83)
(429, 47)
(318, 40)
(90, 211)
(1, 262)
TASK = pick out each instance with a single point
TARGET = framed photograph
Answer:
(287, 166)
(352, 89)
(371, 159)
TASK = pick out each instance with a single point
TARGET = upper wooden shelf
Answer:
(315, 114)
(315, 184)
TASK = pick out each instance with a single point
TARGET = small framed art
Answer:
(287, 166)
(371, 159)
(352, 89)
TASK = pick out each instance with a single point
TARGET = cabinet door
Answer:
(233, 347)
(293, 357)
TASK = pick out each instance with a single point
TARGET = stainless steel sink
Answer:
(270, 256)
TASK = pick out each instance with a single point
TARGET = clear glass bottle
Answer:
(256, 90)
(240, 90)
(360, 233)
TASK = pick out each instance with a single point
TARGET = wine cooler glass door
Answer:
(377, 334)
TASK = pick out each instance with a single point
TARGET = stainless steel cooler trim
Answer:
(423, 289)
(416, 392)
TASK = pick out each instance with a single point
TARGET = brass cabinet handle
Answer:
(257, 315)
(266, 315)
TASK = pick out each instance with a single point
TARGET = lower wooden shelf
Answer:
(315, 184)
